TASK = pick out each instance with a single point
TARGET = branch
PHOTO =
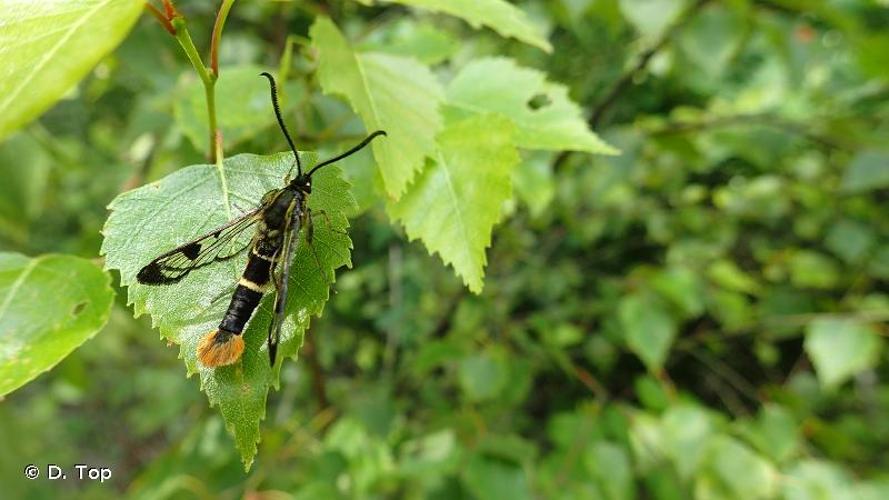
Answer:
(625, 81)
(764, 119)
(310, 350)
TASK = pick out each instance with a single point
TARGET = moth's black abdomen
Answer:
(258, 270)
(244, 302)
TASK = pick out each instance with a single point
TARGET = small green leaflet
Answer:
(49, 306)
(157, 217)
(47, 47)
(391, 93)
(458, 198)
(499, 85)
(649, 329)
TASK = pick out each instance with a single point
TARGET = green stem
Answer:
(208, 78)
(184, 39)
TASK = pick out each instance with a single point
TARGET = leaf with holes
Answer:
(543, 114)
(47, 47)
(49, 306)
(395, 94)
(160, 216)
(455, 203)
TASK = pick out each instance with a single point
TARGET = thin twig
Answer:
(310, 351)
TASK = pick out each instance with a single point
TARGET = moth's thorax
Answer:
(278, 209)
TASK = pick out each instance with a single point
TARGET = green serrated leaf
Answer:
(157, 217)
(409, 38)
(456, 201)
(47, 47)
(543, 114)
(499, 15)
(840, 349)
(648, 328)
(49, 306)
(390, 93)
(242, 106)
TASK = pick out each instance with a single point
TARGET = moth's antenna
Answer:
(350, 152)
(274, 89)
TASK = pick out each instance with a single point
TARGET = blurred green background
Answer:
(739, 240)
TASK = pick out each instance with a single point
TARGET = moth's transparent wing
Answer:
(217, 245)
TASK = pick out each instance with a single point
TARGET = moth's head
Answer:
(303, 183)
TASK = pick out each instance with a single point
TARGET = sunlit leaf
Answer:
(49, 306)
(543, 114)
(454, 204)
(160, 216)
(47, 47)
(732, 470)
(817, 479)
(390, 93)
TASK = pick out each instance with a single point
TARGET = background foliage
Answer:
(703, 315)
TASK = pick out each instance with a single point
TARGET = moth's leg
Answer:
(227, 292)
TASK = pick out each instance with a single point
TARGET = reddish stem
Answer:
(170, 9)
(161, 18)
